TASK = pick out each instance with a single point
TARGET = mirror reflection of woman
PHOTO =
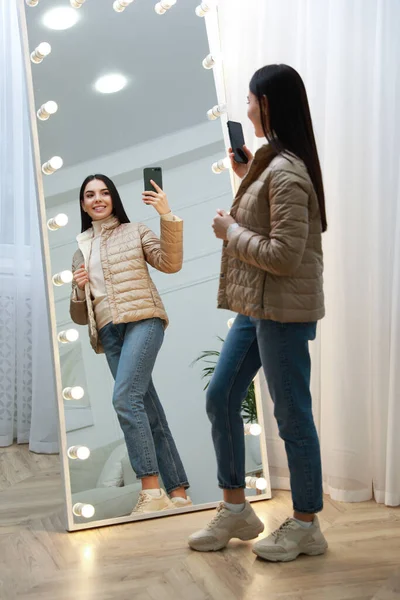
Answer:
(271, 275)
(113, 293)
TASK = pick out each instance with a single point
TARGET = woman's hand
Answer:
(240, 169)
(221, 223)
(81, 277)
(158, 199)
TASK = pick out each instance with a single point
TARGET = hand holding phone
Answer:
(153, 194)
(239, 154)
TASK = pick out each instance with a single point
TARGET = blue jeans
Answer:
(282, 350)
(131, 350)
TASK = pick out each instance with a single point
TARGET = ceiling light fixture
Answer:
(60, 18)
(109, 84)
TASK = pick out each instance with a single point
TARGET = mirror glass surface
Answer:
(158, 119)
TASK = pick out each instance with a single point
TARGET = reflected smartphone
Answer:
(237, 141)
(155, 174)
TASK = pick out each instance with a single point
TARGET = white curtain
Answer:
(27, 390)
(348, 53)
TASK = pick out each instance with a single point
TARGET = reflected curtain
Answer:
(27, 389)
(348, 52)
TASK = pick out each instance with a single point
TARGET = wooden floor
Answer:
(151, 561)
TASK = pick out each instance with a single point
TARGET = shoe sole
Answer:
(316, 551)
(245, 536)
(148, 512)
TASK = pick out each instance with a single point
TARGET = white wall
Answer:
(190, 298)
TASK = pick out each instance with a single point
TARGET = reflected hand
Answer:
(81, 277)
(221, 223)
(240, 169)
(158, 199)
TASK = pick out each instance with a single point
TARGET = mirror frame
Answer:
(212, 29)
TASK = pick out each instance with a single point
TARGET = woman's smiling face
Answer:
(97, 201)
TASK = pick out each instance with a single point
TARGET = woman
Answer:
(272, 277)
(114, 294)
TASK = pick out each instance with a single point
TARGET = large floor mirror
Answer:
(116, 88)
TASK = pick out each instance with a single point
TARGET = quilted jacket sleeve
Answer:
(281, 252)
(165, 253)
(77, 306)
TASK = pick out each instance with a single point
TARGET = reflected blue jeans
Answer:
(131, 350)
(282, 350)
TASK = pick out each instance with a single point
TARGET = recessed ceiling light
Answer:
(109, 84)
(60, 18)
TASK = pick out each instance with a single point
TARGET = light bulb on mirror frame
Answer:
(164, 5)
(230, 322)
(69, 336)
(216, 111)
(31, 2)
(120, 5)
(203, 8)
(221, 165)
(55, 223)
(76, 3)
(256, 483)
(40, 52)
(252, 429)
(78, 452)
(51, 166)
(86, 511)
(73, 393)
(210, 60)
(46, 110)
(62, 277)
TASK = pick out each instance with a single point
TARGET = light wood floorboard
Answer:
(151, 561)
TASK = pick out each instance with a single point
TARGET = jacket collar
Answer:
(111, 224)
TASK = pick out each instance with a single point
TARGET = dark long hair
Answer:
(290, 126)
(118, 207)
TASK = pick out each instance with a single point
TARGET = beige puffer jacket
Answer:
(272, 265)
(125, 251)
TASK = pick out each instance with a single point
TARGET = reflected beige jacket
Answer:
(272, 264)
(125, 251)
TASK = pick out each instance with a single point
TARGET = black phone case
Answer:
(155, 174)
(237, 141)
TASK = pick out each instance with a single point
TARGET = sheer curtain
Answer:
(348, 52)
(27, 389)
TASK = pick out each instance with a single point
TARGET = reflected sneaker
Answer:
(291, 540)
(148, 503)
(227, 525)
(181, 502)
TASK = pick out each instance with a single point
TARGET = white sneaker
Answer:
(225, 526)
(181, 502)
(148, 503)
(291, 540)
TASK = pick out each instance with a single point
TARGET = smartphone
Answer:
(155, 174)
(237, 142)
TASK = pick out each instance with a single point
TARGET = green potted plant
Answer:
(210, 357)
